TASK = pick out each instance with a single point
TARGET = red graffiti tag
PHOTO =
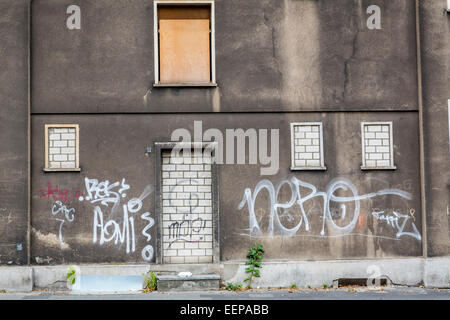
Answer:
(56, 194)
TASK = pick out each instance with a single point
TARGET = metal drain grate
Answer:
(360, 282)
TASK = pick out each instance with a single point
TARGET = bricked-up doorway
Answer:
(186, 204)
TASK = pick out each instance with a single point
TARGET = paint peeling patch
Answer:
(216, 100)
(83, 239)
(145, 97)
(50, 239)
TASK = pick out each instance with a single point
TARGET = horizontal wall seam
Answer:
(230, 112)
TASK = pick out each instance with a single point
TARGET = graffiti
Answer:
(147, 252)
(118, 230)
(185, 230)
(302, 192)
(193, 197)
(58, 207)
(113, 228)
(394, 222)
(104, 192)
(40, 260)
(58, 194)
(115, 233)
(69, 215)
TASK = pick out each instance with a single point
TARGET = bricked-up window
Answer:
(184, 44)
(307, 146)
(61, 147)
(377, 145)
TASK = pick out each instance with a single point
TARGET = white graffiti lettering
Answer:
(69, 215)
(103, 192)
(116, 234)
(394, 221)
(147, 252)
(121, 229)
(299, 198)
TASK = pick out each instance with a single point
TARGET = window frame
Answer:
(391, 145)
(321, 142)
(77, 143)
(193, 3)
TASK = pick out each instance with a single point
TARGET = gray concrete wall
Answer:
(13, 131)
(431, 272)
(277, 62)
(112, 148)
(435, 25)
(271, 55)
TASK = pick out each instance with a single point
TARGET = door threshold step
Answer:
(204, 282)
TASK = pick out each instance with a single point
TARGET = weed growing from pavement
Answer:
(150, 282)
(71, 274)
(254, 255)
(233, 287)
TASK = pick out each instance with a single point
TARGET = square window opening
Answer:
(307, 146)
(184, 43)
(62, 147)
(377, 146)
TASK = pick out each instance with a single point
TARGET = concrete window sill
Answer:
(62, 169)
(186, 85)
(308, 168)
(378, 168)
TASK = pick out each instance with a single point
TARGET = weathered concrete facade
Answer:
(14, 115)
(435, 51)
(277, 62)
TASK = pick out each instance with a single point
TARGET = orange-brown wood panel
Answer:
(183, 12)
(184, 51)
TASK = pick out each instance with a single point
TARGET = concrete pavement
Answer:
(348, 293)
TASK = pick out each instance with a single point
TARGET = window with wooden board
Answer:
(184, 44)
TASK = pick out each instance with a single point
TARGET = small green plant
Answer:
(325, 286)
(308, 286)
(233, 287)
(293, 286)
(150, 282)
(71, 274)
(254, 255)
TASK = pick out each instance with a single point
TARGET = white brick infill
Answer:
(187, 224)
